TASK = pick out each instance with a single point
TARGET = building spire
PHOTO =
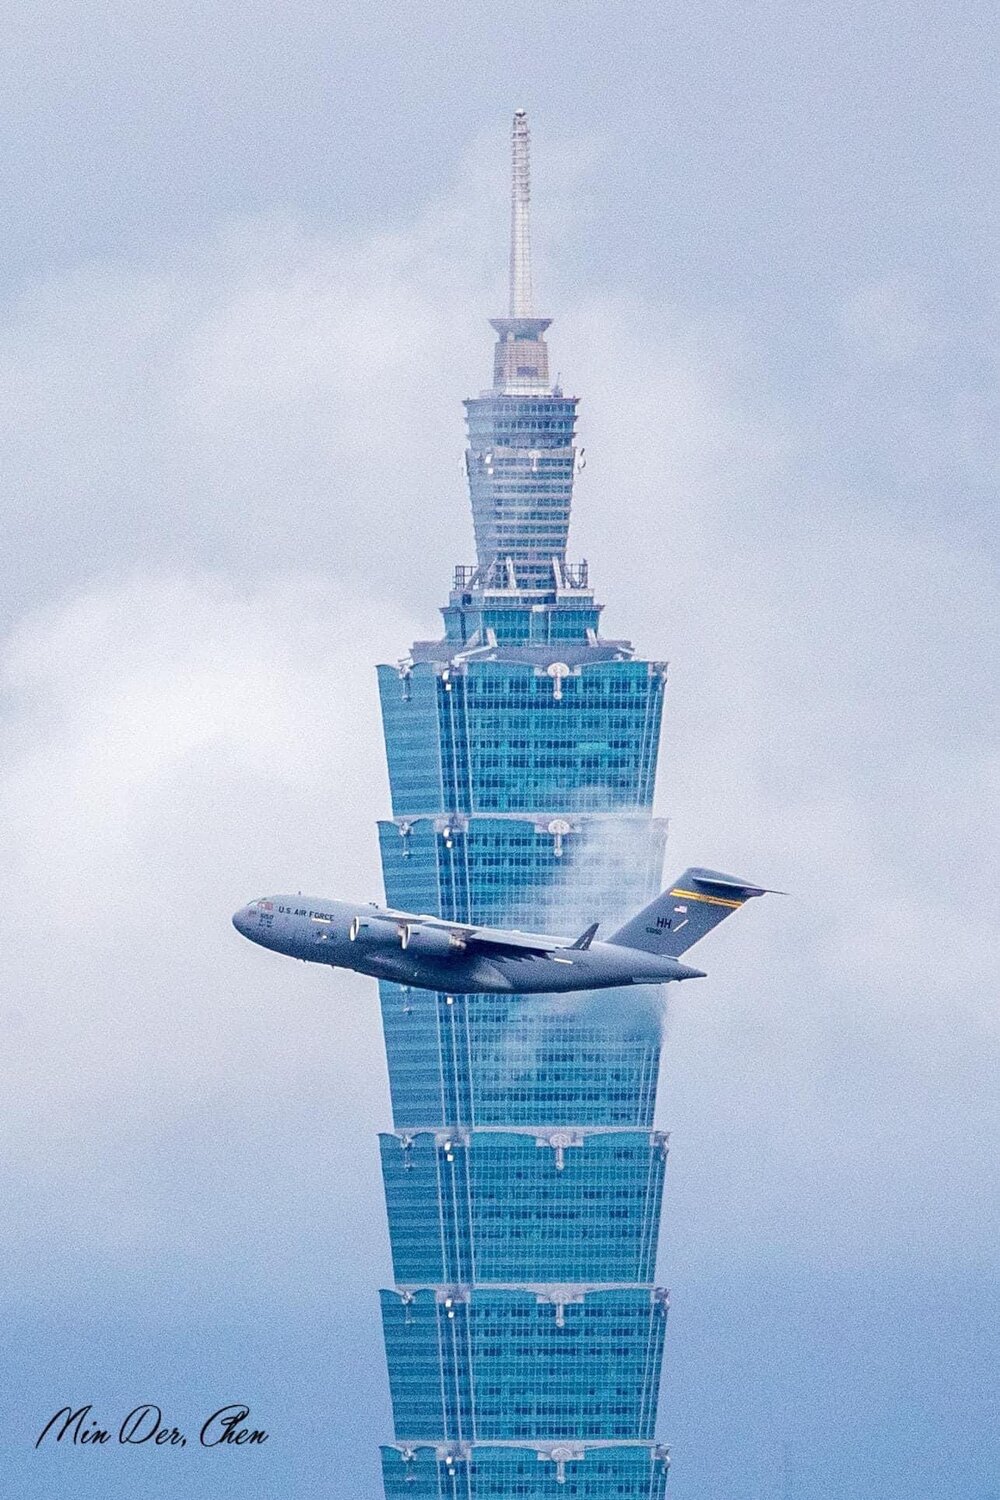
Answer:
(521, 360)
(520, 221)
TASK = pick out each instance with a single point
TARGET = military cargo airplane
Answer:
(435, 954)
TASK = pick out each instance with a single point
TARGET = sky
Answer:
(249, 252)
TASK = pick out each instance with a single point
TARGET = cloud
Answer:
(824, 732)
(888, 321)
(172, 745)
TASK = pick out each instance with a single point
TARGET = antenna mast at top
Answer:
(520, 224)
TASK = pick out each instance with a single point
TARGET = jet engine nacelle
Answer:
(430, 942)
(370, 934)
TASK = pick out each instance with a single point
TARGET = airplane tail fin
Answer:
(693, 905)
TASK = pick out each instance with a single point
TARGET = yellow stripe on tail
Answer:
(711, 900)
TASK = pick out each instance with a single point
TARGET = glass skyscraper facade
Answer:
(523, 1176)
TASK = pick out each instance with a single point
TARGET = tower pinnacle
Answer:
(521, 361)
(521, 456)
(520, 221)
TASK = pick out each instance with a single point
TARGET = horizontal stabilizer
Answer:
(680, 916)
(732, 883)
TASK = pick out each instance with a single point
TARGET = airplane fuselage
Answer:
(430, 954)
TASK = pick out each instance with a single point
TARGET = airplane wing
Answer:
(484, 938)
(497, 938)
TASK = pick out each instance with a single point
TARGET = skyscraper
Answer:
(523, 1176)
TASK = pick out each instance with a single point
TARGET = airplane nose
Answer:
(241, 921)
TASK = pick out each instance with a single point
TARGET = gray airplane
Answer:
(432, 954)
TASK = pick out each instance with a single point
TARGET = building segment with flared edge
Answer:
(523, 1176)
